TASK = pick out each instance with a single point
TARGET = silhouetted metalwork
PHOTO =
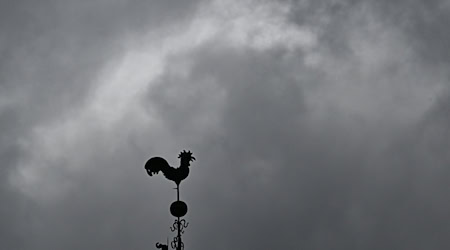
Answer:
(163, 247)
(156, 164)
(177, 243)
(179, 224)
(178, 208)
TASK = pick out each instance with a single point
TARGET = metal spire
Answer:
(178, 208)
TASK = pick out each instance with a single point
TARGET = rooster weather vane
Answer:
(178, 208)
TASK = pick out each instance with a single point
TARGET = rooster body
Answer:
(156, 164)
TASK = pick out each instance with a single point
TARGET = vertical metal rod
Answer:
(178, 222)
(179, 235)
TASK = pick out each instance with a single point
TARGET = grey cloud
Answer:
(273, 170)
(424, 23)
(343, 183)
(51, 52)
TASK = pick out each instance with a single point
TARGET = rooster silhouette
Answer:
(156, 164)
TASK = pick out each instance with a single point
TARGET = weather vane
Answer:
(178, 208)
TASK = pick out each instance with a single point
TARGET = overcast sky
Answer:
(316, 124)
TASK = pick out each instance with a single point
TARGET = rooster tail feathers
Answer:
(156, 164)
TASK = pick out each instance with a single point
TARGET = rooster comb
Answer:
(186, 154)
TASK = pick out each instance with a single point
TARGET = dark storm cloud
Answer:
(53, 49)
(424, 22)
(50, 52)
(335, 144)
(340, 182)
(349, 181)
